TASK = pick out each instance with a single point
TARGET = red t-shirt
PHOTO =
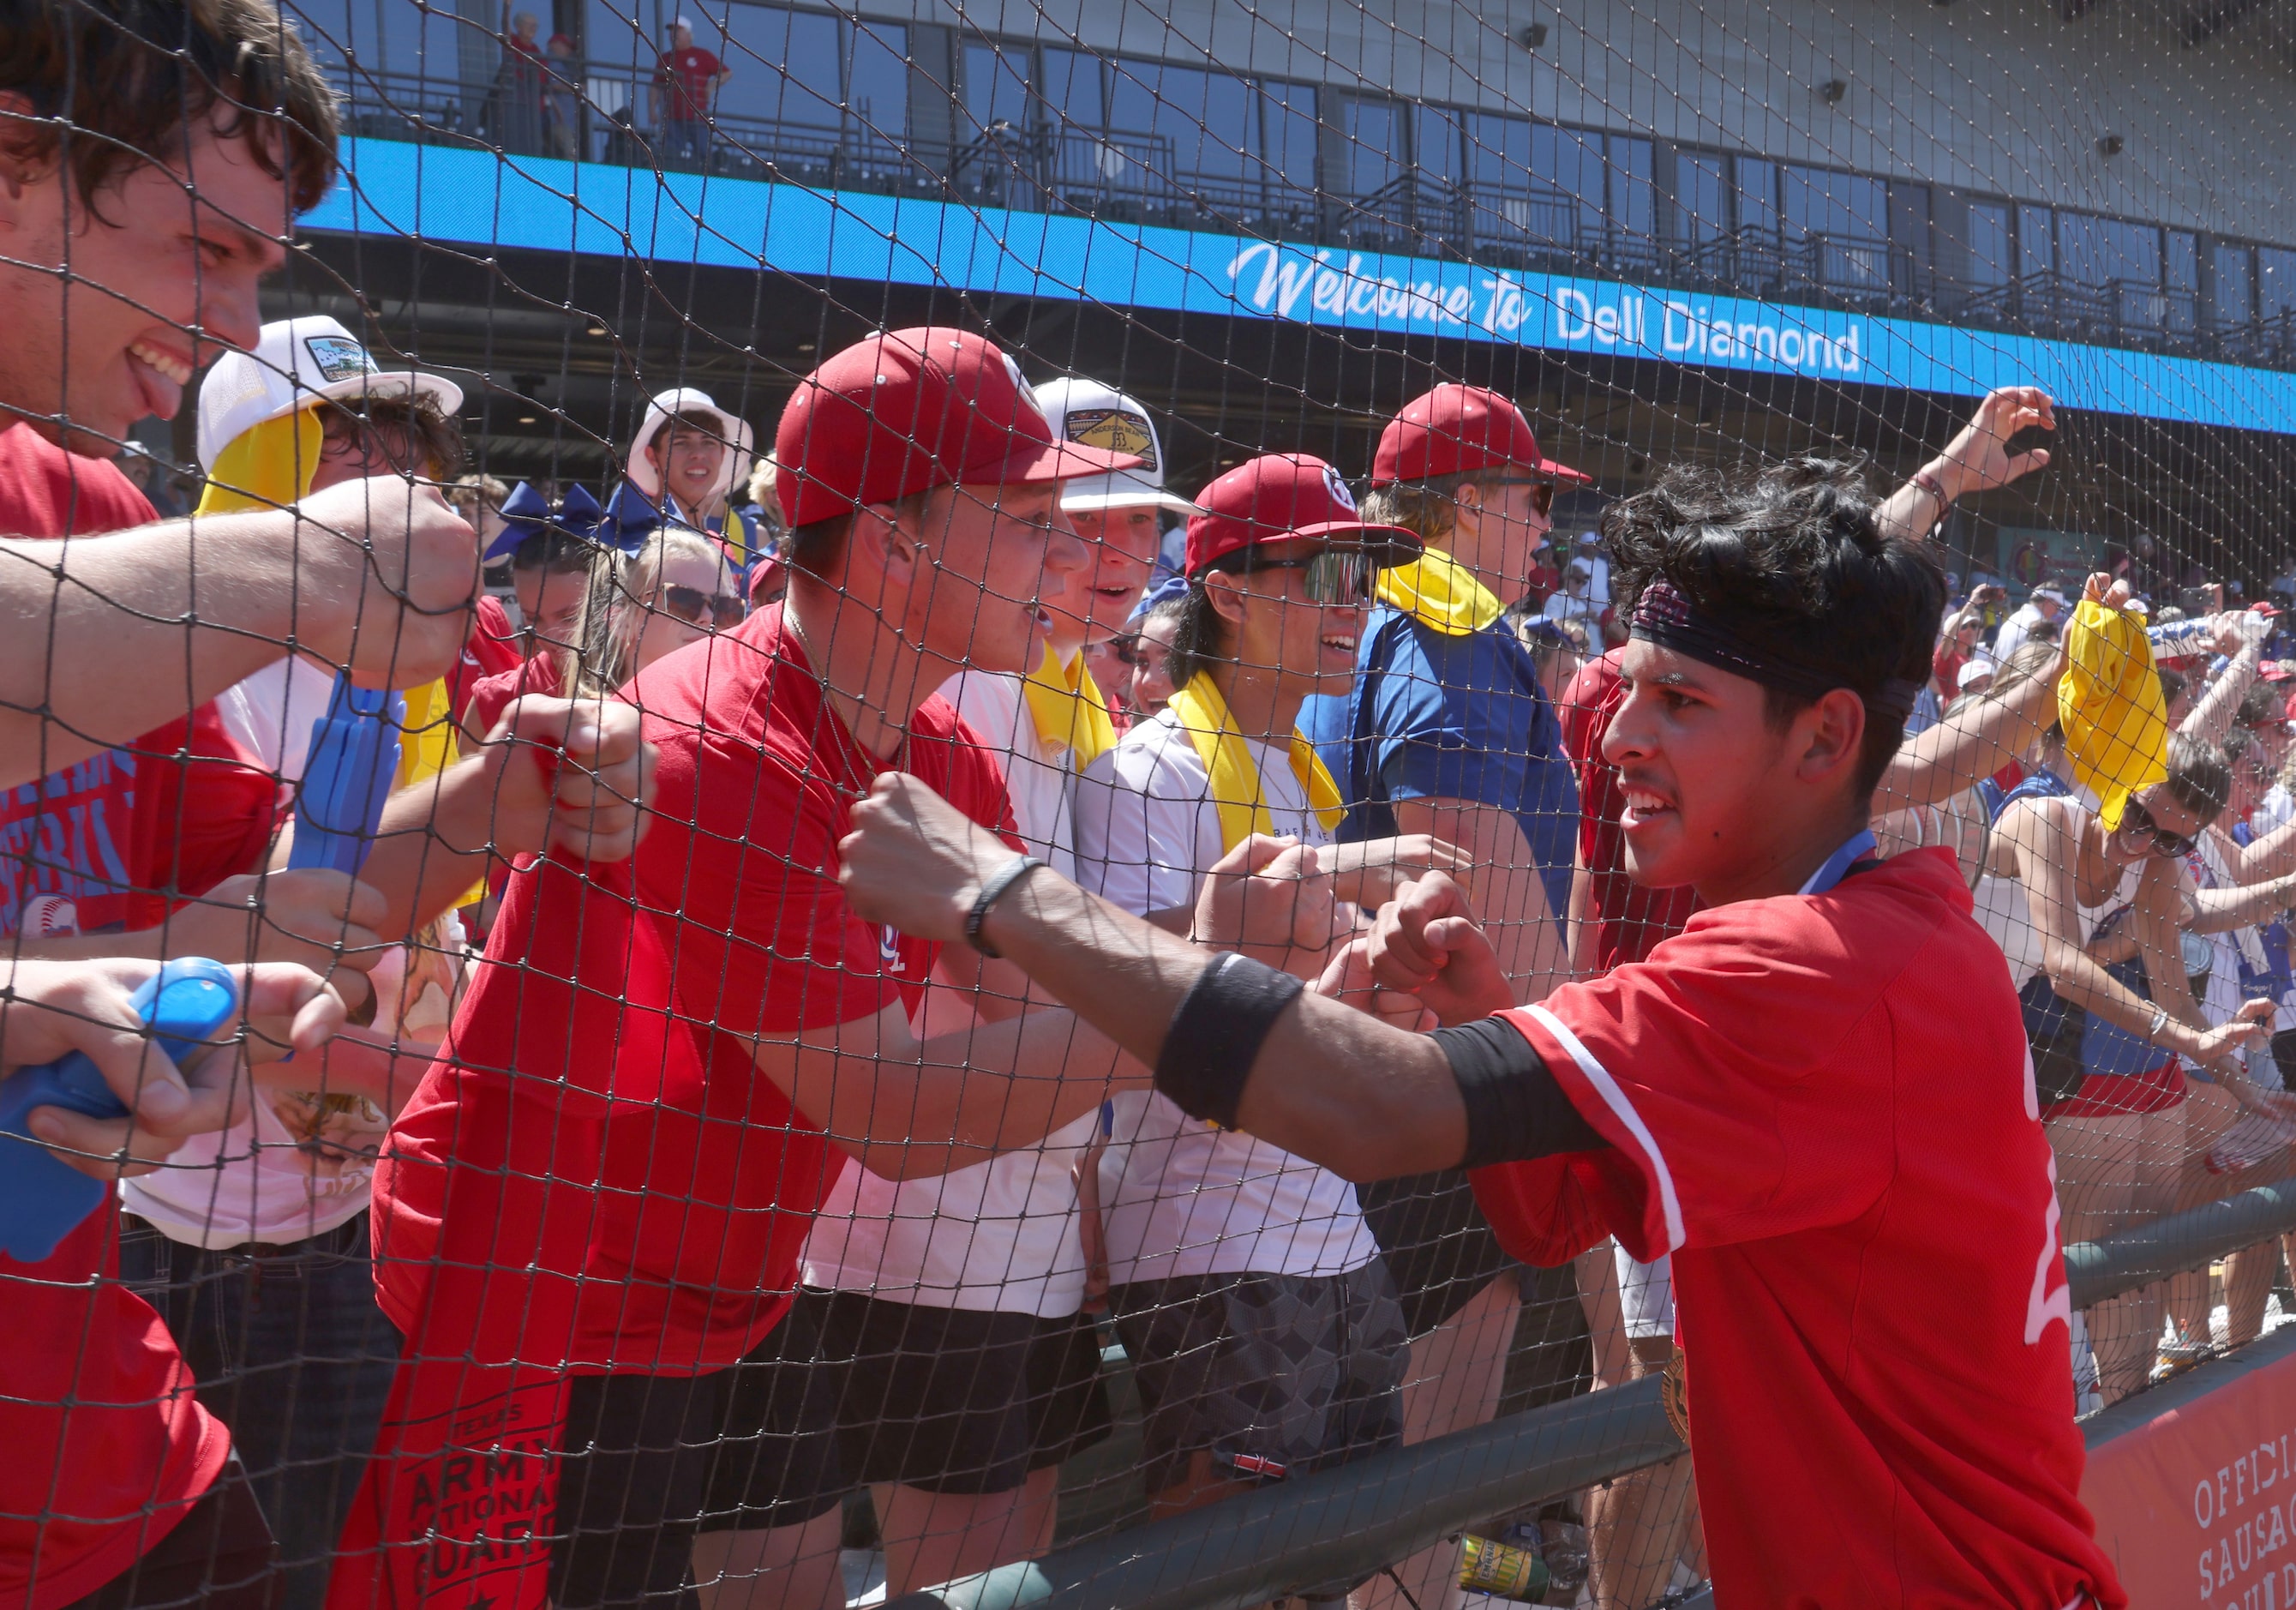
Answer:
(491, 649)
(490, 695)
(87, 1489)
(687, 1180)
(689, 75)
(1627, 920)
(1807, 1109)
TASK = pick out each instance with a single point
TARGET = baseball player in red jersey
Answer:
(1816, 1096)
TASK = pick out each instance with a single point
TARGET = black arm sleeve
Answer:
(1515, 1111)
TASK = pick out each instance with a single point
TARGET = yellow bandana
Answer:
(1437, 590)
(1204, 715)
(268, 466)
(2109, 705)
(1067, 708)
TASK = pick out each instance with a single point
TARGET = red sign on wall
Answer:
(2194, 1485)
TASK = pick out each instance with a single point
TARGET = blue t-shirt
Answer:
(1437, 717)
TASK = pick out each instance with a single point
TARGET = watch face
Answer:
(1115, 431)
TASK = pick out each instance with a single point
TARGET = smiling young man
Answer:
(656, 1078)
(1816, 1096)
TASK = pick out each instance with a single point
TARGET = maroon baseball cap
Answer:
(1282, 498)
(910, 410)
(1458, 430)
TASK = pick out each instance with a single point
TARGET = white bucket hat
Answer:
(740, 442)
(296, 362)
(1100, 416)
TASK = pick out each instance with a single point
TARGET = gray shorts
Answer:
(1274, 1374)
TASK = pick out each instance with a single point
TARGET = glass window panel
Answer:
(1701, 198)
(1499, 150)
(2036, 251)
(1817, 200)
(1757, 195)
(2234, 293)
(2184, 261)
(2093, 251)
(1203, 118)
(877, 79)
(1565, 207)
(995, 87)
(1634, 195)
(383, 37)
(1369, 139)
(788, 67)
(2276, 282)
(1435, 143)
(1072, 88)
(614, 39)
(1989, 264)
(1289, 136)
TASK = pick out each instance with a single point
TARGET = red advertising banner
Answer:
(2192, 1487)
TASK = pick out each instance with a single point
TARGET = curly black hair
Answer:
(1791, 560)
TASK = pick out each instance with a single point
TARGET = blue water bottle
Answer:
(354, 761)
(43, 1199)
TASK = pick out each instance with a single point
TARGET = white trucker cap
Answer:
(1102, 416)
(296, 362)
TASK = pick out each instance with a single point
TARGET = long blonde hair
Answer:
(614, 607)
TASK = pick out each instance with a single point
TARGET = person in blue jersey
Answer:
(1449, 732)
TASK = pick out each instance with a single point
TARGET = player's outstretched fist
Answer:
(1428, 943)
(1349, 981)
(915, 862)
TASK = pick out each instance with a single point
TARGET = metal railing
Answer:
(606, 116)
(1316, 1535)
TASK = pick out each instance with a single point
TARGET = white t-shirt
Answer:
(271, 713)
(1181, 1197)
(302, 1162)
(998, 1235)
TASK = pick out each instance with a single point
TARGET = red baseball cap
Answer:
(1282, 498)
(910, 410)
(1457, 430)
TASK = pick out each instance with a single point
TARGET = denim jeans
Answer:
(291, 1352)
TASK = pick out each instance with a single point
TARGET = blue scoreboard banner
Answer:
(476, 198)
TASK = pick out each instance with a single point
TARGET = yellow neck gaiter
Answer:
(266, 466)
(1066, 705)
(1438, 591)
(2116, 724)
(1204, 715)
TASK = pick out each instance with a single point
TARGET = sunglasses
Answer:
(2137, 829)
(718, 612)
(1542, 492)
(1335, 576)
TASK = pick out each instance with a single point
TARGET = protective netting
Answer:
(1439, 503)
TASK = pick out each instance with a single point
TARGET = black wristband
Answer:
(1515, 1111)
(991, 892)
(1216, 1034)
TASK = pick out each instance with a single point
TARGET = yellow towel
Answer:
(2116, 725)
(266, 466)
(1235, 778)
(1437, 590)
(1067, 708)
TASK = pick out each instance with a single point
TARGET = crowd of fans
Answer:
(587, 1119)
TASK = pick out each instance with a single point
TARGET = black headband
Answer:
(1664, 617)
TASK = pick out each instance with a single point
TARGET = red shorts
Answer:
(2160, 1090)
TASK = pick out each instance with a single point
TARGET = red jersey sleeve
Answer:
(1718, 1071)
